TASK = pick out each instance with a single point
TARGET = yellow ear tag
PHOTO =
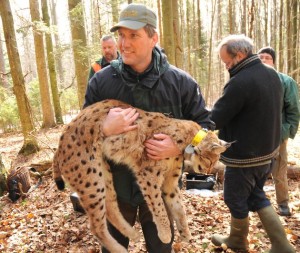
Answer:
(199, 137)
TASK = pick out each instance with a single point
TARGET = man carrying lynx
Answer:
(143, 78)
(83, 155)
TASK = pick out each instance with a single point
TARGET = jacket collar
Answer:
(244, 63)
(149, 77)
(103, 62)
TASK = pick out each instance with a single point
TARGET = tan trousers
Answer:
(279, 175)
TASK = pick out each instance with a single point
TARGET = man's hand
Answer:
(161, 147)
(119, 121)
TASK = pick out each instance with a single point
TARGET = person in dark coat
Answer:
(248, 114)
(143, 78)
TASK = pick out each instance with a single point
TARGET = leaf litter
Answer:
(44, 220)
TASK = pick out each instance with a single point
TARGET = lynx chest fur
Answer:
(81, 159)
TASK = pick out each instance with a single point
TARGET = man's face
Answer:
(136, 48)
(109, 50)
(228, 60)
(266, 59)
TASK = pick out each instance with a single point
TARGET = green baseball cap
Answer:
(135, 16)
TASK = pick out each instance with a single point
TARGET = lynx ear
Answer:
(226, 144)
(220, 147)
(216, 148)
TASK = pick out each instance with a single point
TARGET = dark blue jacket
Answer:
(161, 88)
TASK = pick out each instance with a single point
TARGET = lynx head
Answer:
(203, 153)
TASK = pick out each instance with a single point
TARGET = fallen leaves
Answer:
(3, 234)
(45, 220)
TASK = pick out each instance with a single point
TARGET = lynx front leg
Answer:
(172, 198)
(150, 181)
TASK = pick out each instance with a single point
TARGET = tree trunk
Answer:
(274, 23)
(48, 115)
(244, 17)
(252, 19)
(201, 38)
(217, 89)
(168, 31)
(294, 48)
(230, 17)
(194, 40)
(289, 34)
(115, 10)
(3, 177)
(58, 54)
(280, 52)
(188, 38)
(266, 24)
(96, 27)
(208, 90)
(159, 20)
(3, 76)
(177, 37)
(30, 144)
(51, 66)
(79, 47)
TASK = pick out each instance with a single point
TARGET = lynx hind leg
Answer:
(89, 184)
(172, 198)
(80, 171)
(112, 209)
(150, 181)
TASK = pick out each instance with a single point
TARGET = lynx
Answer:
(82, 155)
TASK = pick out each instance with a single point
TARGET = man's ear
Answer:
(154, 39)
(240, 56)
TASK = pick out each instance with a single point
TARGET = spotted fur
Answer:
(82, 156)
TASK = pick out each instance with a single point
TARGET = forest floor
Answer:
(44, 220)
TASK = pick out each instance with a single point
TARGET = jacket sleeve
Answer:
(228, 105)
(194, 105)
(291, 108)
(92, 92)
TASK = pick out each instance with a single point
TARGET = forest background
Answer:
(47, 47)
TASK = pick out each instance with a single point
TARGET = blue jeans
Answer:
(243, 189)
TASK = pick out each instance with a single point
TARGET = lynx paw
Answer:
(185, 236)
(165, 237)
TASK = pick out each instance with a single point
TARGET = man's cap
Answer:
(268, 50)
(135, 17)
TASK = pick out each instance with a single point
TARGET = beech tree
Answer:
(30, 144)
(79, 47)
(51, 66)
(47, 109)
(168, 31)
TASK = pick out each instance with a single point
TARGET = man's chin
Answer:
(109, 57)
(126, 60)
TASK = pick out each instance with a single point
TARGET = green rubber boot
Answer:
(275, 231)
(237, 238)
